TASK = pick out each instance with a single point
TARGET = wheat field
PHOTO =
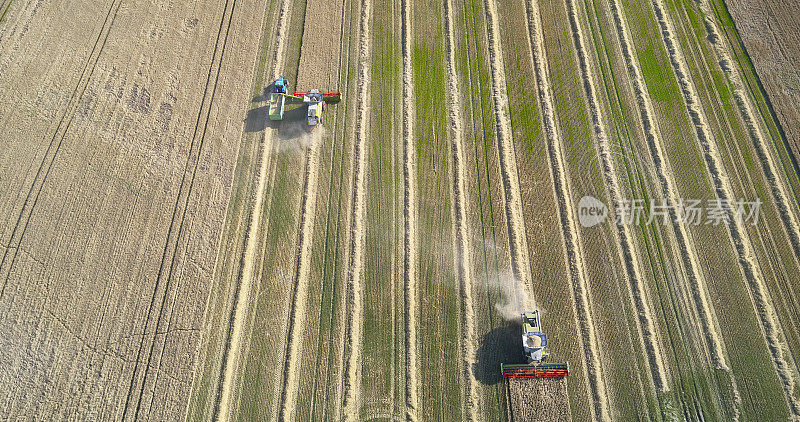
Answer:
(168, 252)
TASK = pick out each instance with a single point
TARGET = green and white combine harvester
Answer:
(534, 344)
(314, 100)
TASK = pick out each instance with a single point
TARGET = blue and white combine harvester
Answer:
(534, 344)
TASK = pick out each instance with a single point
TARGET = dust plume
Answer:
(298, 136)
(513, 299)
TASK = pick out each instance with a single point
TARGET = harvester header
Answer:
(329, 96)
(534, 344)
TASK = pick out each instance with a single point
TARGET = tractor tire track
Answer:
(759, 295)
(690, 259)
(179, 211)
(629, 254)
(745, 104)
(244, 283)
(505, 145)
(461, 240)
(355, 290)
(576, 268)
(410, 222)
(31, 199)
(297, 321)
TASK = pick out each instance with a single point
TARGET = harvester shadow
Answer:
(256, 120)
(293, 125)
(501, 345)
(264, 97)
(292, 115)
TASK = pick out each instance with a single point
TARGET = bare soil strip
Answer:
(755, 128)
(508, 163)
(410, 221)
(297, 321)
(230, 361)
(699, 287)
(355, 289)
(462, 242)
(760, 297)
(539, 399)
(572, 243)
(628, 251)
(25, 212)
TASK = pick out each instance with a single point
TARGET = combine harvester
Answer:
(314, 99)
(534, 344)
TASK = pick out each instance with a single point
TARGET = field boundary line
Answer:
(45, 166)
(628, 254)
(241, 304)
(410, 221)
(462, 244)
(355, 318)
(744, 101)
(787, 212)
(759, 294)
(576, 267)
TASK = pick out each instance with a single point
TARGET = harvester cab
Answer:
(315, 106)
(534, 341)
(534, 345)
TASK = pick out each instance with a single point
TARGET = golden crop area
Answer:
(169, 252)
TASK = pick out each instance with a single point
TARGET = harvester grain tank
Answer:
(314, 100)
(315, 106)
(534, 345)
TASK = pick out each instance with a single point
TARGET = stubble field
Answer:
(170, 253)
